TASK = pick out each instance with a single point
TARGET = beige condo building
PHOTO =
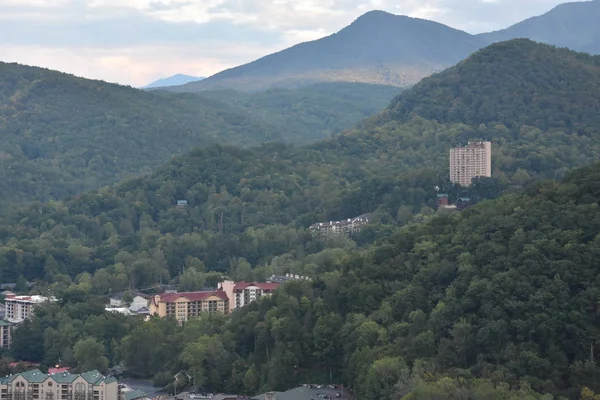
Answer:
(244, 293)
(35, 385)
(474, 160)
(189, 305)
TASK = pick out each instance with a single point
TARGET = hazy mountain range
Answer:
(383, 48)
(175, 80)
(572, 25)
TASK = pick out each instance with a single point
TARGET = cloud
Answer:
(136, 41)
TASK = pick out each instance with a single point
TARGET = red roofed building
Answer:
(58, 370)
(244, 293)
(189, 305)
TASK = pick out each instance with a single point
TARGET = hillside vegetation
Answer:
(312, 112)
(513, 83)
(387, 167)
(61, 135)
(495, 302)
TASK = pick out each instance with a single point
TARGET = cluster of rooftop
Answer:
(443, 203)
(139, 304)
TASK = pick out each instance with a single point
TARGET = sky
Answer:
(135, 42)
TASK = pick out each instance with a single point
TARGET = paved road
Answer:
(144, 385)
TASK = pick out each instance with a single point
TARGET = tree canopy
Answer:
(61, 135)
(514, 83)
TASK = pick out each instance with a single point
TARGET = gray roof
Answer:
(37, 376)
(33, 376)
(304, 393)
(64, 377)
(134, 293)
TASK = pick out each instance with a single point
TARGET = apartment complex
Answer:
(189, 305)
(470, 162)
(286, 278)
(5, 334)
(348, 226)
(35, 385)
(19, 308)
(244, 293)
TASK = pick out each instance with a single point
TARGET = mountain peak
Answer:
(375, 15)
(573, 25)
(377, 48)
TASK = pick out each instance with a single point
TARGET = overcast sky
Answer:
(137, 41)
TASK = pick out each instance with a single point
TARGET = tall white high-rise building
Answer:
(19, 308)
(470, 162)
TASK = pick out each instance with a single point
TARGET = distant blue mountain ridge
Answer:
(175, 80)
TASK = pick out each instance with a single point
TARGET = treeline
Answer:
(502, 297)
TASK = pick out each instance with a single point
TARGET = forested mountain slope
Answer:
(514, 83)
(573, 25)
(61, 135)
(311, 112)
(387, 166)
(377, 48)
(497, 302)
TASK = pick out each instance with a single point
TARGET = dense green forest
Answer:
(494, 302)
(240, 201)
(312, 112)
(500, 300)
(515, 83)
(61, 135)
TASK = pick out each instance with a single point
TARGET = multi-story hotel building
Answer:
(19, 308)
(35, 385)
(350, 226)
(244, 293)
(469, 162)
(5, 332)
(190, 305)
